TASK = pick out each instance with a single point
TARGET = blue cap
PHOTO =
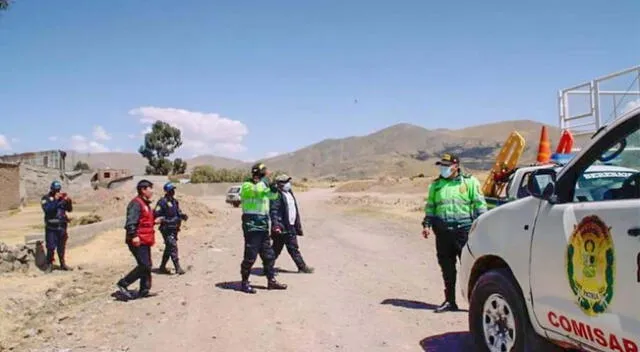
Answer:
(56, 186)
(169, 186)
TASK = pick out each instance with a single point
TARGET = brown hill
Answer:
(137, 164)
(405, 150)
(215, 161)
(399, 150)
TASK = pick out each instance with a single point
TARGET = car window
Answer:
(234, 190)
(523, 191)
(617, 174)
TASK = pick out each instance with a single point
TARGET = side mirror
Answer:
(542, 183)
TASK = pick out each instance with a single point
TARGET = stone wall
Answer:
(79, 235)
(36, 181)
(9, 186)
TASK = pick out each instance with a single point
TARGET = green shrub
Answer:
(209, 174)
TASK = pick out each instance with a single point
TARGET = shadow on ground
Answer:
(451, 341)
(405, 303)
(260, 272)
(235, 286)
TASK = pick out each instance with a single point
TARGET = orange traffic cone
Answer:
(566, 143)
(544, 148)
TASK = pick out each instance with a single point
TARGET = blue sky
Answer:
(248, 78)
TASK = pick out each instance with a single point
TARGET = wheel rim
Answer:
(499, 324)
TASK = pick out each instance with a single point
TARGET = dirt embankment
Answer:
(110, 203)
(397, 185)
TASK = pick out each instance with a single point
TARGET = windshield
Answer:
(625, 153)
(592, 186)
(234, 189)
(611, 172)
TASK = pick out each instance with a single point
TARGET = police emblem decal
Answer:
(590, 260)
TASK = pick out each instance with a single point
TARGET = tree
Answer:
(4, 4)
(81, 166)
(179, 166)
(159, 167)
(162, 141)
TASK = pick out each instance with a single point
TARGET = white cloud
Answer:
(132, 136)
(272, 154)
(15, 140)
(81, 144)
(53, 138)
(145, 131)
(229, 148)
(4, 143)
(202, 133)
(632, 105)
(100, 134)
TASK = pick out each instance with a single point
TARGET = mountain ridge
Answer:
(402, 149)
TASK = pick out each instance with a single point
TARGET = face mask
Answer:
(286, 187)
(445, 171)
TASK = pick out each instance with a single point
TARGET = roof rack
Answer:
(586, 107)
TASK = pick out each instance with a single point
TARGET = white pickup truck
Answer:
(561, 268)
(592, 186)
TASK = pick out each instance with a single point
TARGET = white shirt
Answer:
(291, 205)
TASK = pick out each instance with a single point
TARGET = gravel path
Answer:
(375, 285)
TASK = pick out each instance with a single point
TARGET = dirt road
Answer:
(375, 285)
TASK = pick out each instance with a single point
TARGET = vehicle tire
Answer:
(496, 302)
(236, 204)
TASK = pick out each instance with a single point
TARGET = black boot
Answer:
(247, 288)
(449, 305)
(49, 266)
(63, 266)
(275, 285)
(306, 269)
(122, 288)
(446, 307)
(163, 266)
(179, 270)
(163, 270)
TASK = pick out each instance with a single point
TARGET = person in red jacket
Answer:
(140, 237)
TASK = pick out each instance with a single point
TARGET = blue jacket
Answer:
(55, 211)
(169, 208)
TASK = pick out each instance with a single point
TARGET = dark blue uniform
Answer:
(55, 224)
(169, 208)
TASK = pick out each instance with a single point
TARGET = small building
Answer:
(52, 159)
(107, 176)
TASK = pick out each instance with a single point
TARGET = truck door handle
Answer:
(634, 232)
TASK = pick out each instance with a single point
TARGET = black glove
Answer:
(184, 217)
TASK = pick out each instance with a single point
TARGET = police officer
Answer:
(455, 200)
(255, 194)
(140, 237)
(168, 209)
(55, 206)
(285, 223)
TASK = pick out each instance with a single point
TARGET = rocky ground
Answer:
(375, 285)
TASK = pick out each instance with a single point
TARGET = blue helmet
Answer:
(169, 186)
(56, 186)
